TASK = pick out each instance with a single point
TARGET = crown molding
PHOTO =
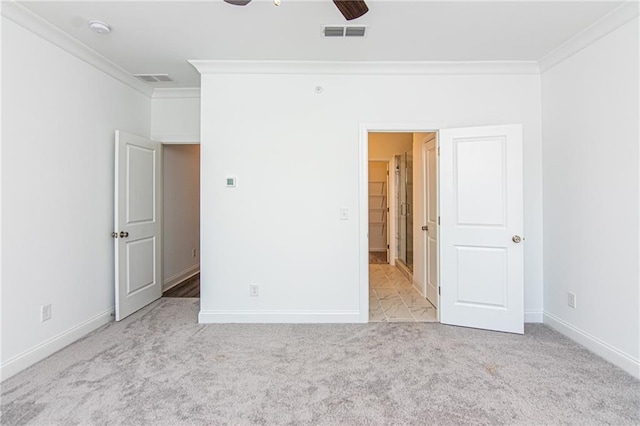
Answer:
(34, 23)
(603, 26)
(176, 93)
(366, 67)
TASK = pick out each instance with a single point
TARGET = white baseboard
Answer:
(405, 271)
(48, 347)
(271, 317)
(533, 316)
(418, 287)
(595, 345)
(179, 277)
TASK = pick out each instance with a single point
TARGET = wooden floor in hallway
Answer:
(187, 288)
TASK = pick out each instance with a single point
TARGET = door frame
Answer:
(363, 202)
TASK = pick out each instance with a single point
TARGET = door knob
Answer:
(114, 235)
(516, 239)
(124, 234)
(425, 228)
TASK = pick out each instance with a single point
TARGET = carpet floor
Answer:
(159, 367)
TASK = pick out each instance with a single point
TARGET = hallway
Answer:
(392, 298)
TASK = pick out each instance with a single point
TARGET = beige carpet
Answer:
(159, 367)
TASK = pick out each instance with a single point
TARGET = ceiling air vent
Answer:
(343, 31)
(354, 31)
(154, 78)
(334, 31)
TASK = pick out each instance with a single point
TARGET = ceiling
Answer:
(158, 37)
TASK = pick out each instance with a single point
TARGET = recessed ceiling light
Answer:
(99, 27)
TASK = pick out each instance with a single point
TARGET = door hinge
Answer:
(438, 150)
(387, 209)
(438, 220)
(387, 246)
(439, 291)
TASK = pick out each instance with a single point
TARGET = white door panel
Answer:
(431, 209)
(481, 210)
(137, 223)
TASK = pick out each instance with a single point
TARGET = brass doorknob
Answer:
(124, 234)
(516, 239)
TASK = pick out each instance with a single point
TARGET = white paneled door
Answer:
(137, 223)
(431, 216)
(481, 213)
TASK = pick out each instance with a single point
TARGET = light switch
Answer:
(344, 213)
(230, 181)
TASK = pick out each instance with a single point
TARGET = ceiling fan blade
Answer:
(351, 9)
(238, 2)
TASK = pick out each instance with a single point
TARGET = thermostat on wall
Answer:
(230, 181)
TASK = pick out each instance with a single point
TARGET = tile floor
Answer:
(392, 298)
(378, 257)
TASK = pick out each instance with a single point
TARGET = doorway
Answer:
(396, 289)
(156, 219)
(181, 220)
(479, 224)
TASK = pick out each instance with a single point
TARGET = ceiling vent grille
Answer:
(154, 78)
(343, 31)
(354, 31)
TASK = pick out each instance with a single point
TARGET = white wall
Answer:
(384, 146)
(59, 116)
(181, 213)
(175, 115)
(277, 135)
(591, 215)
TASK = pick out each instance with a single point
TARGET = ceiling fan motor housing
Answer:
(351, 9)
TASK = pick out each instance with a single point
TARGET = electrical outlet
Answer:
(45, 312)
(253, 290)
(193, 252)
(571, 300)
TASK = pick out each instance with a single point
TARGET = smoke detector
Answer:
(99, 27)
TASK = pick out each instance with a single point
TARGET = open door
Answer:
(137, 223)
(386, 214)
(431, 216)
(481, 212)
